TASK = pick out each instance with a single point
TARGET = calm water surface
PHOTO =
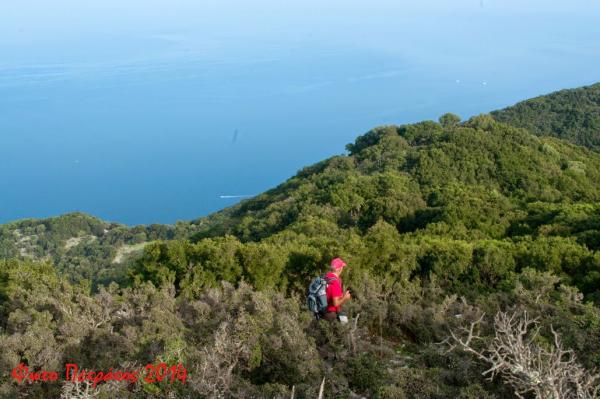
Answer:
(152, 111)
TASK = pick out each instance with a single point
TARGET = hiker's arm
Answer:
(339, 300)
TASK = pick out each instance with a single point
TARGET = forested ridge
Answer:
(82, 246)
(572, 114)
(444, 224)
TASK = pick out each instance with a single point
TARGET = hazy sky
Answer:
(34, 30)
(81, 35)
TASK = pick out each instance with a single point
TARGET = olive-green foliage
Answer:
(264, 342)
(449, 119)
(48, 322)
(365, 373)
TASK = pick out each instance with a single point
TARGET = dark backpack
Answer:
(316, 299)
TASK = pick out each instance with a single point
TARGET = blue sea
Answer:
(155, 111)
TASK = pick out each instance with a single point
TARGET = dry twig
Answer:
(515, 356)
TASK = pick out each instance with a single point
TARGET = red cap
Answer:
(337, 264)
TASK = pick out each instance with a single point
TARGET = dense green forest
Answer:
(445, 225)
(572, 115)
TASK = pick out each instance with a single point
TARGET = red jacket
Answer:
(334, 290)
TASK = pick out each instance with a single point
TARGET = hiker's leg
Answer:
(330, 316)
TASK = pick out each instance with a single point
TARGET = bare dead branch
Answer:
(321, 389)
(515, 356)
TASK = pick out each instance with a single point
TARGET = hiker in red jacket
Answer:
(335, 294)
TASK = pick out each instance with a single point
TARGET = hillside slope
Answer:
(469, 181)
(572, 115)
(442, 225)
(407, 175)
(82, 246)
(475, 179)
